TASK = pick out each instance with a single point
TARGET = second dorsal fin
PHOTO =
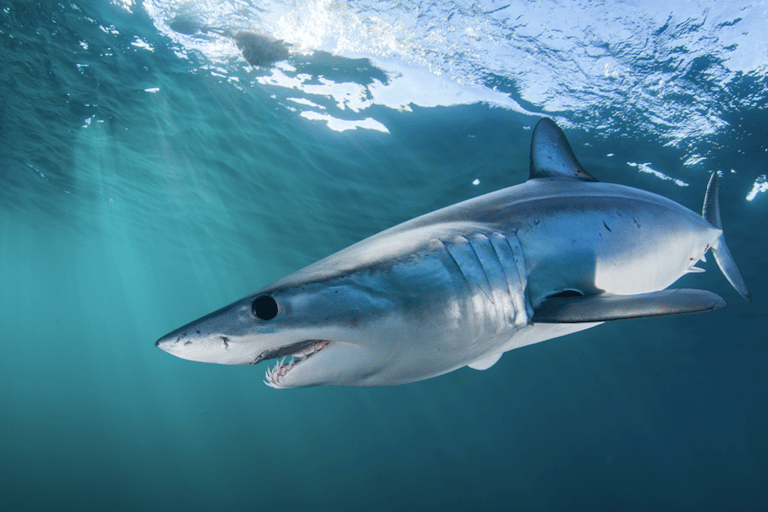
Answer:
(552, 156)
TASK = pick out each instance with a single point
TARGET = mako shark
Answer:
(460, 286)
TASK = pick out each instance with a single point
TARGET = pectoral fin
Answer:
(605, 307)
(485, 362)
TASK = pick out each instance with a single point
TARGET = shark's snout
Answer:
(182, 342)
(164, 343)
(170, 342)
(193, 346)
(220, 337)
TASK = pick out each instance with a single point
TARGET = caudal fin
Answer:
(711, 213)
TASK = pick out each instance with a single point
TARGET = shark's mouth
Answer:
(298, 352)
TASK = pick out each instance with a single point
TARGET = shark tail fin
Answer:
(711, 213)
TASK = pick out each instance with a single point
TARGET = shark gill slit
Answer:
(493, 269)
(479, 304)
(504, 271)
(468, 262)
(455, 262)
(510, 254)
(513, 267)
(497, 260)
(481, 265)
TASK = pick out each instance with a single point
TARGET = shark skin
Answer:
(460, 286)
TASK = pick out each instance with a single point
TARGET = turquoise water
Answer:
(150, 177)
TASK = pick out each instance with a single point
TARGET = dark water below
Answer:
(139, 191)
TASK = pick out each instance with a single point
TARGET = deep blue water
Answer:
(150, 177)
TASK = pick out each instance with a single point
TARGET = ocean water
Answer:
(150, 175)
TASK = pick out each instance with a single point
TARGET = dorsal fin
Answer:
(552, 156)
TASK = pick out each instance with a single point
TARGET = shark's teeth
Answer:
(280, 369)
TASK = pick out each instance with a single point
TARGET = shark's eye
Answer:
(264, 307)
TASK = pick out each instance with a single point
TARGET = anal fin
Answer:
(606, 307)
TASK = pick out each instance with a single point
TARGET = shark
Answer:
(462, 285)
